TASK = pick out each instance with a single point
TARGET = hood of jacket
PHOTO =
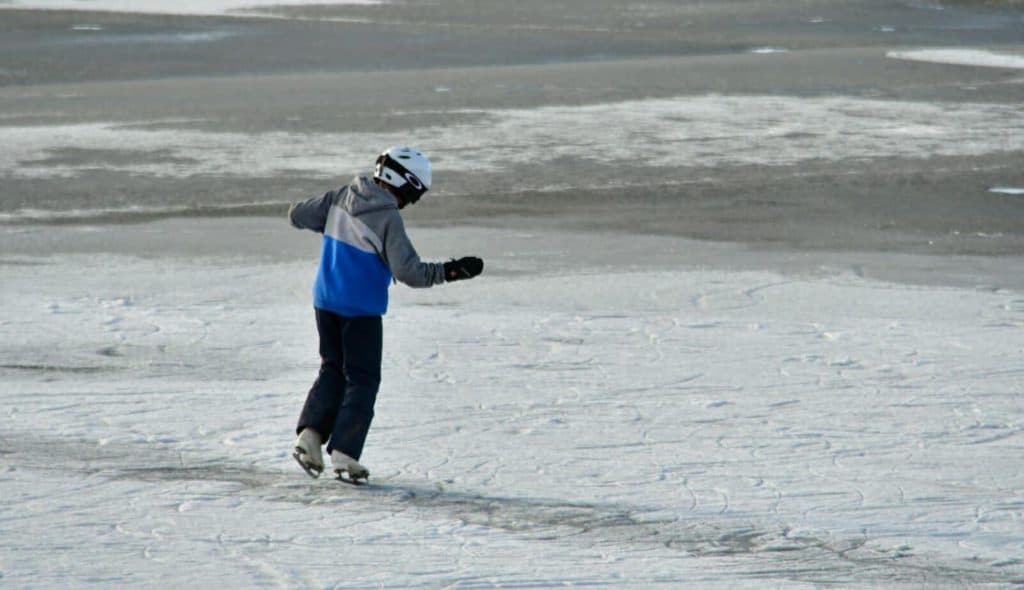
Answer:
(363, 195)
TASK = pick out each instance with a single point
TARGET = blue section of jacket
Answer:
(365, 246)
(351, 282)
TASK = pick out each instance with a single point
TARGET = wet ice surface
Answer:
(571, 423)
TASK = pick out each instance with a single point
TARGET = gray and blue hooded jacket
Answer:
(364, 247)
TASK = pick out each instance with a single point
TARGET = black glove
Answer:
(463, 268)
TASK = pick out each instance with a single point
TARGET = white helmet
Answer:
(406, 169)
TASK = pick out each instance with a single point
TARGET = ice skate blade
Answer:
(309, 469)
(344, 476)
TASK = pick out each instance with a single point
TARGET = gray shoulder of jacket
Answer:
(401, 257)
(312, 213)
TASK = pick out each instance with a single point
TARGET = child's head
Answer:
(406, 171)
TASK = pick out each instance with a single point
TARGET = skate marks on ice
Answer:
(125, 460)
(755, 550)
(747, 548)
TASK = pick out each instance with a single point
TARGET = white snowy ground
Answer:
(559, 421)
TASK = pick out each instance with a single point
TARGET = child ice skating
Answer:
(364, 247)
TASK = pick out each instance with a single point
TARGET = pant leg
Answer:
(324, 399)
(362, 340)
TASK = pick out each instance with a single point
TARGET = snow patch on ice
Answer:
(163, 38)
(1006, 190)
(137, 213)
(962, 57)
(195, 7)
(685, 131)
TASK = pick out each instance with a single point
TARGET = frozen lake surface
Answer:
(563, 424)
(822, 392)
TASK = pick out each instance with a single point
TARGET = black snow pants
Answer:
(340, 404)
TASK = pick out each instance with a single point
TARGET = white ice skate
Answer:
(307, 452)
(348, 469)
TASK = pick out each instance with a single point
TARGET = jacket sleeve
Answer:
(311, 214)
(402, 259)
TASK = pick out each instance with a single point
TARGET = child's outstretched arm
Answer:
(401, 257)
(406, 266)
(311, 214)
